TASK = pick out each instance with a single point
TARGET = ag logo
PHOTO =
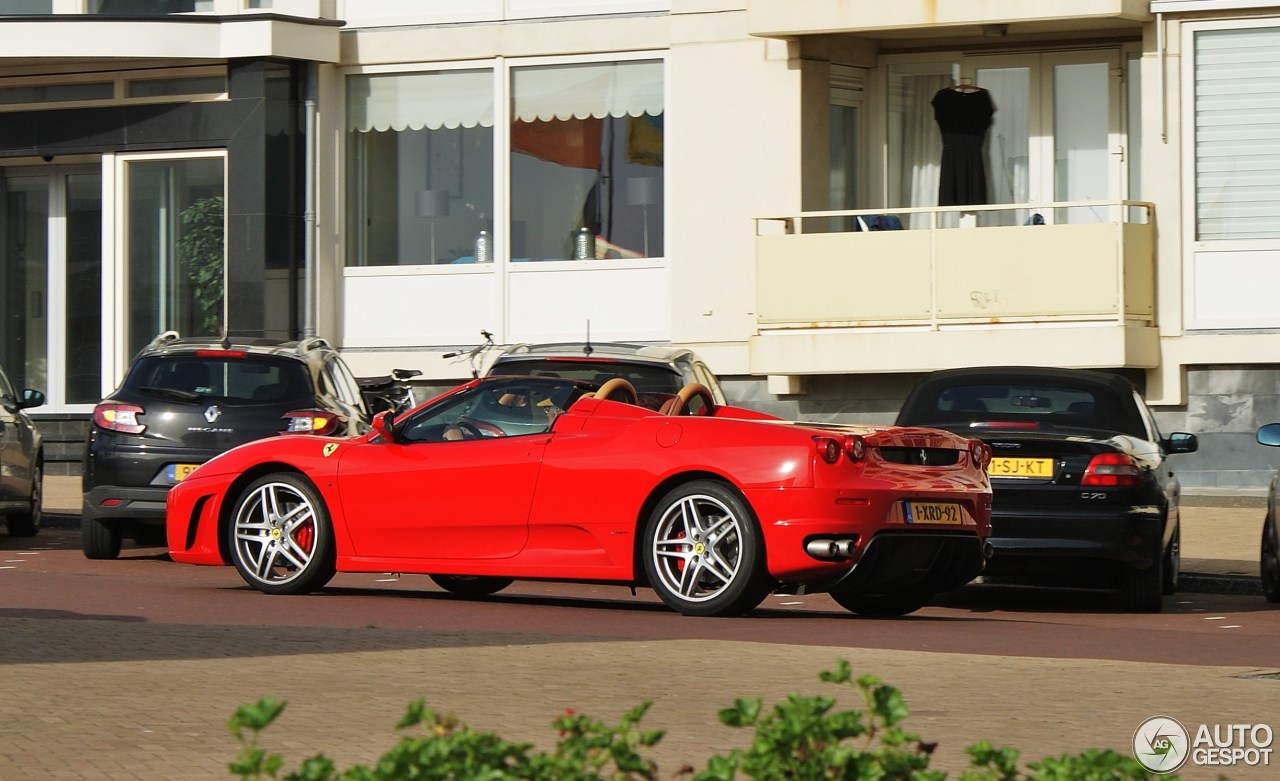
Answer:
(329, 448)
(1161, 744)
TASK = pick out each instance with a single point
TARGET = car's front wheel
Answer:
(703, 551)
(471, 585)
(28, 523)
(281, 536)
(1173, 562)
(1270, 561)
(883, 605)
(98, 540)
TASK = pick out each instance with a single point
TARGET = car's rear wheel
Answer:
(471, 585)
(281, 536)
(703, 551)
(1142, 590)
(883, 605)
(1270, 561)
(28, 523)
(98, 540)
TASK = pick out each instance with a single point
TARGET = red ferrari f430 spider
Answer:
(547, 478)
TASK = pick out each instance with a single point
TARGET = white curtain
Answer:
(915, 143)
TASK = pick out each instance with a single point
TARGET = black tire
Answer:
(281, 537)
(1142, 590)
(882, 605)
(471, 585)
(1270, 561)
(28, 524)
(1173, 562)
(98, 540)
(703, 551)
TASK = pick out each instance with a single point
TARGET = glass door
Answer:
(1056, 134)
(51, 269)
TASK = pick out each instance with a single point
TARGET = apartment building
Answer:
(824, 199)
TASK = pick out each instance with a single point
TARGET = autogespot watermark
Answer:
(1162, 745)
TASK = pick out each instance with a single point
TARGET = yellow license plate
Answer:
(179, 472)
(1021, 467)
(934, 512)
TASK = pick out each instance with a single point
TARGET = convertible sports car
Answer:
(550, 478)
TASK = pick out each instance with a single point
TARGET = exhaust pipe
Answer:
(826, 548)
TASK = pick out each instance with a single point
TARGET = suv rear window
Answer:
(1053, 405)
(247, 380)
(654, 384)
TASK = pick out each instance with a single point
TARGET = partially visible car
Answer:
(1082, 488)
(184, 401)
(656, 372)
(553, 478)
(1269, 552)
(21, 459)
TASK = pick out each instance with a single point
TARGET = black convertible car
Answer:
(1083, 492)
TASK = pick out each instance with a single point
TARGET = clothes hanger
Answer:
(965, 85)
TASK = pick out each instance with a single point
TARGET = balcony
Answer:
(931, 19)
(960, 286)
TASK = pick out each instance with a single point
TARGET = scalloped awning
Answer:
(464, 98)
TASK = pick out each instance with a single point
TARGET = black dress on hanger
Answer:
(963, 115)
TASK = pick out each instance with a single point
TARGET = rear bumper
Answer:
(126, 504)
(1134, 537)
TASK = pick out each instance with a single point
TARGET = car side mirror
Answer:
(384, 424)
(31, 398)
(1269, 435)
(1182, 442)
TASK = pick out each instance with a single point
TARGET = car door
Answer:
(427, 497)
(13, 460)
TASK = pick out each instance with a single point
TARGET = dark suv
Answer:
(184, 401)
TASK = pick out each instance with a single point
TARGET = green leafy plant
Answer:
(200, 250)
(803, 737)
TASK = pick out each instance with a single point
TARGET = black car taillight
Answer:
(117, 417)
(1112, 469)
(311, 421)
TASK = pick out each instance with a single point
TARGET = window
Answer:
(175, 247)
(419, 166)
(584, 153)
(593, 135)
(1236, 134)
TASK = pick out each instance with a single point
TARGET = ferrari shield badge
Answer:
(329, 448)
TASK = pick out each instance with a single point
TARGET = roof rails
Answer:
(314, 343)
(164, 338)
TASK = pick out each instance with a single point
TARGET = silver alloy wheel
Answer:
(697, 547)
(275, 533)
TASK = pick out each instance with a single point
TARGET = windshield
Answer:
(494, 409)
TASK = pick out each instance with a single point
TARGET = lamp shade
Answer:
(642, 191)
(431, 203)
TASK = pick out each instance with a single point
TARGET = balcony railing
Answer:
(1068, 261)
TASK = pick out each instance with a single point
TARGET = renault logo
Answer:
(212, 413)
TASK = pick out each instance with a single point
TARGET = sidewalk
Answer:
(1220, 535)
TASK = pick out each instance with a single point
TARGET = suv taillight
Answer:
(310, 421)
(1112, 469)
(121, 418)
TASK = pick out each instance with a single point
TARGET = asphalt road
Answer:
(130, 668)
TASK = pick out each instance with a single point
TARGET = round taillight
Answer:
(980, 452)
(855, 447)
(828, 449)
